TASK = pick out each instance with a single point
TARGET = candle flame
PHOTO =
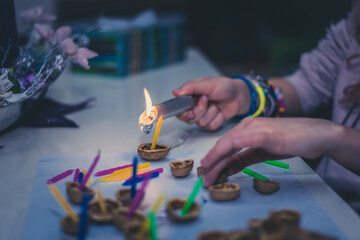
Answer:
(148, 103)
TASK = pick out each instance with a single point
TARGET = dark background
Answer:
(238, 35)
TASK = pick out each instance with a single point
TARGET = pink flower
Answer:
(82, 55)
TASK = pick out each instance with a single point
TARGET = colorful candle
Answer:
(136, 202)
(85, 172)
(60, 176)
(76, 175)
(253, 174)
(157, 132)
(91, 169)
(144, 228)
(278, 164)
(81, 176)
(192, 196)
(142, 178)
(153, 231)
(158, 203)
(158, 170)
(111, 170)
(83, 217)
(64, 204)
(133, 184)
(102, 202)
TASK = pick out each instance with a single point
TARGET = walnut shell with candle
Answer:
(160, 151)
(96, 214)
(69, 225)
(174, 207)
(75, 195)
(124, 196)
(213, 235)
(132, 230)
(122, 222)
(225, 191)
(265, 186)
(181, 168)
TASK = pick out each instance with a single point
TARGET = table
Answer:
(110, 124)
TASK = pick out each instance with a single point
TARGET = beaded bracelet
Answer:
(261, 94)
(252, 94)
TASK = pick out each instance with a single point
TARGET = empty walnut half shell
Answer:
(224, 191)
(122, 222)
(181, 168)
(75, 195)
(213, 235)
(265, 187)
(287, 217)
(123, 195)
(95, 213)
(158, 153)
(174, 206)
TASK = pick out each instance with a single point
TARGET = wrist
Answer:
(336, 136)
(244, 98)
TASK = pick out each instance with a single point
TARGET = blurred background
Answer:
(237, 35)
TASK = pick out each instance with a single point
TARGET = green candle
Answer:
(254, 174)
(153, 230)
(278, 164)
(192, 196)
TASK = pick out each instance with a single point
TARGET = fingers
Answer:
(199, 110)
(194, 87)
(216, 122)
(211, 175)
(209, 115)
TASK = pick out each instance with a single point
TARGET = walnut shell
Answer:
(287, 217)
(122, 222)
(181, 168)
(265, 187)
(95, 213)
(175, 204)
(213, 235)
(158, 153)
(123, 195)
(69, 226)
(131, 231)
(243, 235)
(75, 195)
(225, 191)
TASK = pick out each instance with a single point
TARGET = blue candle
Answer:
(133, 185)
(83, 217)
(81, 176)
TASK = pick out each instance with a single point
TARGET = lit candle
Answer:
(61, 200)
(157, 132)
(102, 202)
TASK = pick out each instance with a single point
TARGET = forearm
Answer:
(345, 148)
(291, 99)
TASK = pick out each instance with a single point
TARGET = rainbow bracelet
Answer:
(261, 94)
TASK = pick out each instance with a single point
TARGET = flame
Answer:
(148, 103)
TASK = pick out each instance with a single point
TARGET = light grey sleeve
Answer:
(315, 79)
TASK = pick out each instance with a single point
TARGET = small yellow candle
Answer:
(102, 202)
(144, 228)
(157, 132)
(158, 203)
(125, 173)
(85, 172)
(61, 200)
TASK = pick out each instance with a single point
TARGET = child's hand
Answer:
(221, 98)
(269, 139)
